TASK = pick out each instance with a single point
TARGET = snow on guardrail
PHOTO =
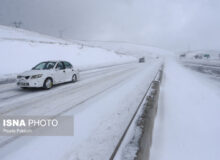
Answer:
(137, 138)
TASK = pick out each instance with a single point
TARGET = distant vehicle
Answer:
(46, 74)
(198, 56)
(141, 60)
(206, 56)
(182, 55)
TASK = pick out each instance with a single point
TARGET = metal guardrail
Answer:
(155, 83)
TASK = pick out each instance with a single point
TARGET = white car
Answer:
(46, 74)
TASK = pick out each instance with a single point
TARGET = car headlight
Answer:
(36, 76)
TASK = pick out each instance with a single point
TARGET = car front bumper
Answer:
(30, 83)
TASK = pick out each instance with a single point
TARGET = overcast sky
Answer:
(170, 24)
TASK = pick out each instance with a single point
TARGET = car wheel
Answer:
(74, 78)
(48, 83)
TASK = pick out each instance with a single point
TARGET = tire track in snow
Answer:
(9, 140)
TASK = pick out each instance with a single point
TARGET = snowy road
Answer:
(102, 98)
(211, 70)
(62, 97)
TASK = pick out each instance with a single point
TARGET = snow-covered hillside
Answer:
(136, 50)
(21, 50)
(9, 33)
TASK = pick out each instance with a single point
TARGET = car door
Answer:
(60, 73)
(69, 71)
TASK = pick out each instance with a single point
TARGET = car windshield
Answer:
(44, 66)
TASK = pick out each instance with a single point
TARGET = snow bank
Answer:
(187, 124)
(21, 50)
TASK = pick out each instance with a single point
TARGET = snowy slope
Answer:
(137, 50)
(9, 33)
(21, 50)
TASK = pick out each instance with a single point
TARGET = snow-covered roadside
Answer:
(17, 56)
(99, 123)
(187, 124)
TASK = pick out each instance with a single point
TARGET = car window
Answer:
(50, 65)
(67, 65)
(44, 66)
(60, 66)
